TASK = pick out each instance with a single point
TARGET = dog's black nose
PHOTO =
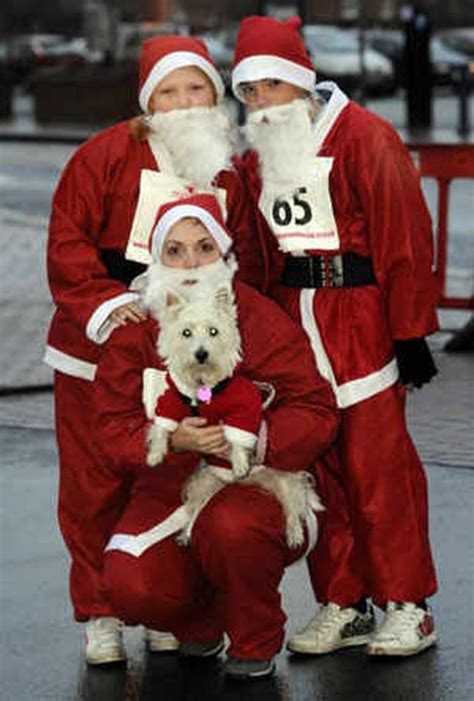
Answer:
(201, 355)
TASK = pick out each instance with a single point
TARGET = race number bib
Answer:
(155, 190)
(303, 219)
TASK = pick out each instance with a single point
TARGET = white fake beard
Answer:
(199, 140)
(192, 284)
(283, 138)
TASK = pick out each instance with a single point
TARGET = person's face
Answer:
(181, 89)
(188, 244)
(259, 94)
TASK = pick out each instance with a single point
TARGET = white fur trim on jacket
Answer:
(69, 365)
(330, 113)
(268, 66)
(98, 327)
(136, 545)
(167, 424)
(154, 385)
(179, 212)
(351, 392)
(312, 526)
(169, 63)
(262, 441)
(237, 435)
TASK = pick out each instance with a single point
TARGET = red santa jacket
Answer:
(300, 423)
(380, 213)
(92, 211)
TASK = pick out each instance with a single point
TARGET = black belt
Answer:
(342, 270)
(118, 267)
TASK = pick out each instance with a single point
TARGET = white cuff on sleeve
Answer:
(237, 435)
(99, 327)
(261, 449)
(168, 424)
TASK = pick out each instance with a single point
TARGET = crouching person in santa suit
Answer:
(99, 215)
(347, 243)
(227, 580)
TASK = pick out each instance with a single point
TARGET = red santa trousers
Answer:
(374, 540)
(226, 581)
(91, 499)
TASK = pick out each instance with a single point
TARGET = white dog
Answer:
(200, 344)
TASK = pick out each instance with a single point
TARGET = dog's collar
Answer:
(194, 402)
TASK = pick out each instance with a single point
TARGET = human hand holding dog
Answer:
(127, 312)
(193, 434)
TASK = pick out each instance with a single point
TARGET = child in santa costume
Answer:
(101, 211)
(347, 243)
(227, 580)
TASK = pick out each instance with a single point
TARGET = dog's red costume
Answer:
(379, 217)
(235, 403)
(228, 579)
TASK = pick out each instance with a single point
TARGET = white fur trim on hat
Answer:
(267, 67)
(179, 212)
(169, 63)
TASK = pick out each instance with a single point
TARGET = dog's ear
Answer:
(174, 303)
(223, 296)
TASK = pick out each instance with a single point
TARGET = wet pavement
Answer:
(42, 646)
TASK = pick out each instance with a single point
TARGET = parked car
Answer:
(221, 53)
(335, 53)
(460, 39)
(444, 60)
(131, 35)
(27, 52)
(390, 43)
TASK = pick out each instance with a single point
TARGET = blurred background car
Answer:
(336, 55)
(24, 53)
(445, 59)
(460, 39)
(221, 48)
(131, 35)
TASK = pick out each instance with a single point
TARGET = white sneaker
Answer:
(160, 641)
(104, 643)
(406, 630)
(333, 628)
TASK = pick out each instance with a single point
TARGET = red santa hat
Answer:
(202, 206)
(161, 55)
(268, 48)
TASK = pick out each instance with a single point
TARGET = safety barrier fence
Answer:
(444, 163)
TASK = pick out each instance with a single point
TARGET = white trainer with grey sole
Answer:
(407, 629)
(160, 641)
(104, 644)
(333, 628)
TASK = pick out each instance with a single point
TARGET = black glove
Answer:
(415, 362)
(118, 267)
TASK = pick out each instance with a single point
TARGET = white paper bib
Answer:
(303, 219)
(156, 189)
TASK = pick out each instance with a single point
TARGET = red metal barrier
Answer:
(444, 162)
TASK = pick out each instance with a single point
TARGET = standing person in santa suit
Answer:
(347, 243)
(228, 579)
(100, 210)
